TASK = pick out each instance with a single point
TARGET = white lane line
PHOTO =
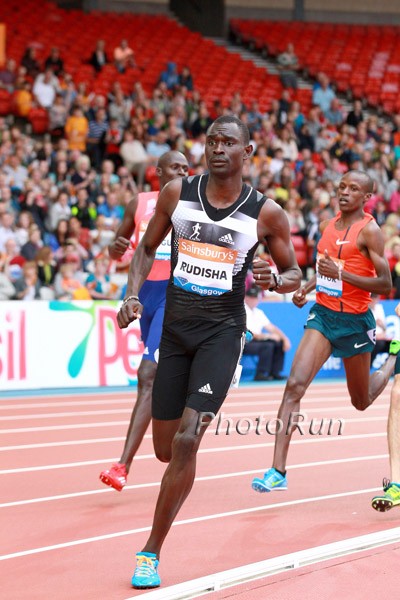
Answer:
(272, 566)
(223, 416)
(201, 451)
(73, 465)
(210, 517)
(147, 436)
(131, 401)
(67, 443)
(62, 415)
(25, 395)
(267, 393)
(62, 427)
(116, 411)
(139, 486)
(56, 404)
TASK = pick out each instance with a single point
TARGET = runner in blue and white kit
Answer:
(152, 296)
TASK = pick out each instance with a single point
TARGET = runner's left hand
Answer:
(262, 274)
(129, 311)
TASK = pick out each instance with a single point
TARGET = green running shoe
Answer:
(394, 347)
(389, 498)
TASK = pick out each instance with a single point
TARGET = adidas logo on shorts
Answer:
(206, 389)
(227, 239)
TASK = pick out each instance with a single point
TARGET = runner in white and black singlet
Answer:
(217, 223)
(212, 250)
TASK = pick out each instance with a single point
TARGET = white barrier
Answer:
(272, 566)
(66, 344)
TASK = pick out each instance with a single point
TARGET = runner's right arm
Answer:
(124, 231)
(299, 298)
(142, 261)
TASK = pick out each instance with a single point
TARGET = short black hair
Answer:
(242, 126)
(368, 181)
(169, 157)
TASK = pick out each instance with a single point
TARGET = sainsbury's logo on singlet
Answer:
(204, 269)
(163, 251)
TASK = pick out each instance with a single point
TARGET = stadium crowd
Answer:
(63, 191)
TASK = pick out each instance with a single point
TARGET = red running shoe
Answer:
(115, 477)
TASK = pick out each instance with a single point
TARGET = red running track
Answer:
(65, 535)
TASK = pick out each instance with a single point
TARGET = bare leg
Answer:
(313, 351)
(363, 388)
(179, 475)
(394, 431)
(140, 418)
(390, 496)
(141, 415)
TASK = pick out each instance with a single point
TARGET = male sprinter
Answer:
(217, 224)
(350, 265)
(152, 296)
(391, 487)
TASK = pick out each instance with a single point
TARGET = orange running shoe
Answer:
(115, 477)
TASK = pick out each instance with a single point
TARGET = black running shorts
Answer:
(196, 366)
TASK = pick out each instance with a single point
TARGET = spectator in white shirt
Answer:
(44, 89)
(135, 157)
(16, 174)
(7, 229)
(59, 210)
(269, 343)
(7, 290)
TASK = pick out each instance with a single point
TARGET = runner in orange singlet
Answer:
(350, 265)
(152, 296)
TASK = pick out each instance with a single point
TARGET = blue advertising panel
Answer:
(291, 319)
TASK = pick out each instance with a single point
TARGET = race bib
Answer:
(328, 285)
(163, 251)
(204, 269)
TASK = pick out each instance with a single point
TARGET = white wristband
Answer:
(125, 300)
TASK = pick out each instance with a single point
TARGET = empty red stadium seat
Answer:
(6, 103)
(39, 119)
(349, 54)
(302, 251)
